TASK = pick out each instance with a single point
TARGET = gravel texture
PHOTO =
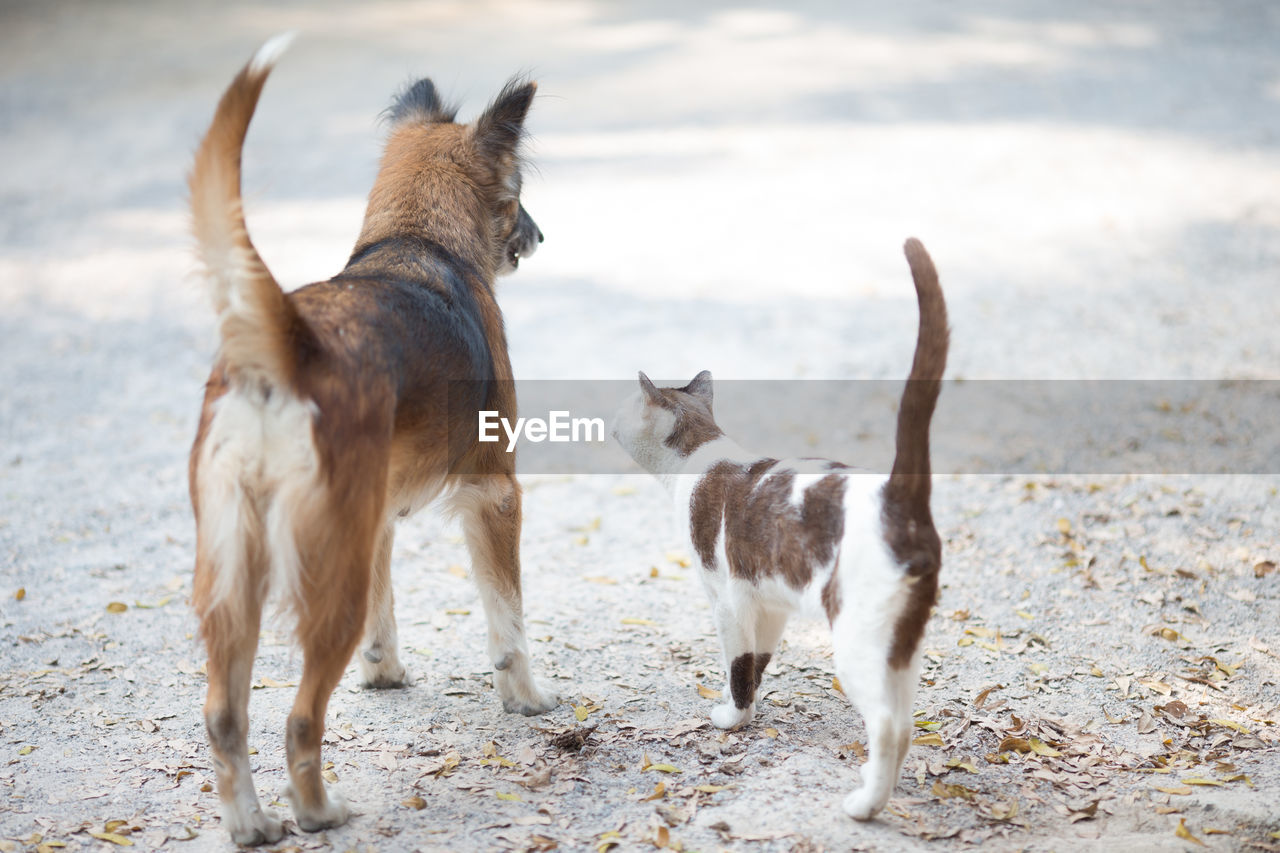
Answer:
(721, 187)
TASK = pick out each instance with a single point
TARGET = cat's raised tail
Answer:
(906, 495)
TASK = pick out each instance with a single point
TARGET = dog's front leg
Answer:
(489, 506)
(380, 649)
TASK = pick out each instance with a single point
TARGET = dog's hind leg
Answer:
(230, 630)
(332, 601)
(326, 651)
(489, 506)
(379, 650)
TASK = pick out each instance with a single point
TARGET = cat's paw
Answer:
(728, 716)
(864, 804)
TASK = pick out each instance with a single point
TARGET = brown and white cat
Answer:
(772, 533)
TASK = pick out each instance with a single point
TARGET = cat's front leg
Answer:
(736, 631)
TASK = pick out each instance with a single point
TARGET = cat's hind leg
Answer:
(883, 696)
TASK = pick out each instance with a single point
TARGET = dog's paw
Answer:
(331, 812)
(863, 804)
(381, 669)
(728, 716)
(523, 696)
(259, 827)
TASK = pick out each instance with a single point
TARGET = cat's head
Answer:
(661, 427)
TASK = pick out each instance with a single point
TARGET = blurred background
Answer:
(722, 185)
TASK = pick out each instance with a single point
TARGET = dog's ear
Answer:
(700, 387)
(650, 390)
(421, 102)
(499, 129)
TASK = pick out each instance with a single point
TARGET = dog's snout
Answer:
(540, 237)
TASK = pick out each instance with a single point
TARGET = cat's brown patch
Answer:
(761, 660)
(765, 533)
(909, 629)
(711, 496)
(706, 510)
(695, 425)
(741, 676)
(745, 673)
(831, 599)
(822, 513)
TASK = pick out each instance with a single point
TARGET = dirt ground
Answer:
(723, 187)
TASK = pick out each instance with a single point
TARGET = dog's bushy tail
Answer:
(909, 481)
(256, 324)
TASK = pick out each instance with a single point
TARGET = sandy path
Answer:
(725, 189)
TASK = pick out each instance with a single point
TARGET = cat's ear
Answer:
(650, 390)
(700, 387)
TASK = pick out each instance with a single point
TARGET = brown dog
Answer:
(333, 409)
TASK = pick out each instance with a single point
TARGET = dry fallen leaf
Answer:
(945, 791)
(112, 837)
(1229, 724)
(1177, 792)
(659, 791)
(1014, 744)
(1183, 832)
(931, 739)
(630, 620)
(1087, 813)
(515, 798)
(415, 802)
(1146, 723)
(574, 739)
(117, 607)
(1264, 568)
(21, 593)
(708, 692)
(1005, 810)
(661, 768)
(1199, 780)
(1039, 747)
